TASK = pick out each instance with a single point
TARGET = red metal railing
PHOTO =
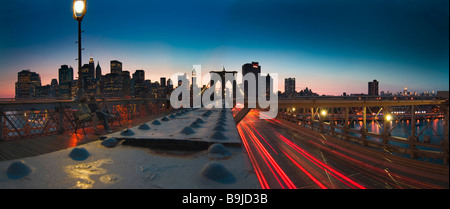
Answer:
(21, 119)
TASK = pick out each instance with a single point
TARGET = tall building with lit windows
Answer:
(112, 84)
(289, 86)
(373, 88)
(116, 67)
(126, 86)
(138, 80)
(65, 75)
(111, 87)
(26, 84)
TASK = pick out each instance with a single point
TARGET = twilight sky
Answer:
(330, 46)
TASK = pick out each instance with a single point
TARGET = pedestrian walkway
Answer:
(33, 146)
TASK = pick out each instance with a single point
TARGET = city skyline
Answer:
(341, 45)
(29, 83)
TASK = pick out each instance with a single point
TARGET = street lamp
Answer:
(324, 113)
(79, 10)
(389, 117)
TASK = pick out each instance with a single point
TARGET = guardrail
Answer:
(335, 121)
(21, 119)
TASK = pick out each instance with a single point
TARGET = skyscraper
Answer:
(98, 71)
(54, 88)
(163, 81)
(91, 68)
(139, 75)
(289, 86)
(254, 68)
(126, 83)
(112, 85)
(85, 71)
(405, 91)
(26, 84)
(116, 67)
(170, 84)
(138, 80)
(373, 88)
(113, 82)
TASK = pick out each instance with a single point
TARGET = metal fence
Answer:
(337, 121)
(21, 119)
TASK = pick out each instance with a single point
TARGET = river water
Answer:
(434, 129)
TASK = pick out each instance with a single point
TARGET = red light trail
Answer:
(287, 159)
(273, 166)
(320, 163)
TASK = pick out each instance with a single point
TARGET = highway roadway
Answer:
(284, 156)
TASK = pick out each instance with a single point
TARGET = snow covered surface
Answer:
(191, 125)
(110, 164)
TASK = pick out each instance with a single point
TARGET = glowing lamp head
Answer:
(389, 117)
(79, 9)
(323, 112)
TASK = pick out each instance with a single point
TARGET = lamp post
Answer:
(79, 10)
(389, 117)
(323, 113)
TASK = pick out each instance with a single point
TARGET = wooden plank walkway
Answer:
(33, 146)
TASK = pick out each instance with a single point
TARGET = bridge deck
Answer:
(33, 146)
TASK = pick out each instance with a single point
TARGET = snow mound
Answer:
(127, 132)
(219, 127)
(207, 113)
(18, 170)
(199, 120)
(218, 151)
(111, 142)
(217, 172)
(144, 126)
(187, 130)
(222, 122)
(218, 135)
(195, 125)
(79, 154)
(156, 122)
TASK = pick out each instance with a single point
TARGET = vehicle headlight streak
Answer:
(275, 169)
(377, 173)
(338, 175)
(305, 171)
(344, 179)
(310, 167)
(262, 180)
